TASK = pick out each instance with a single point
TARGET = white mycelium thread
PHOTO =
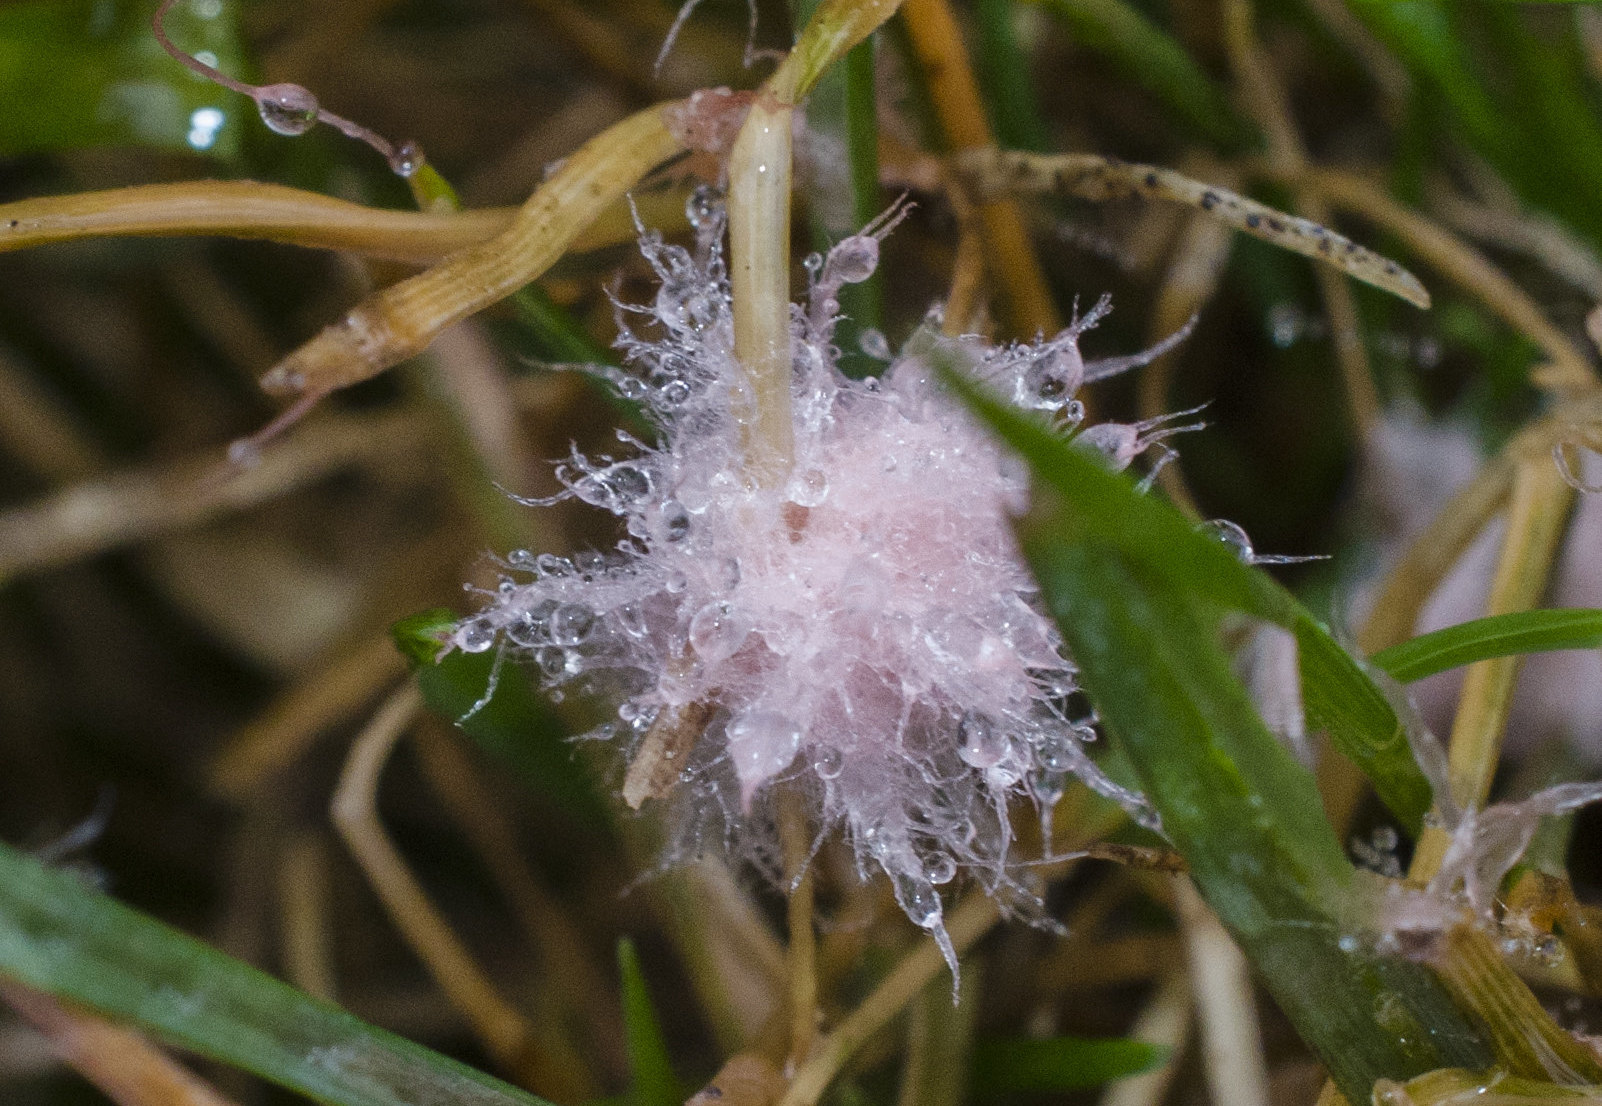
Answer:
(867, 636)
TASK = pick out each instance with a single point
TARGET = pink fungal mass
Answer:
(865, 637)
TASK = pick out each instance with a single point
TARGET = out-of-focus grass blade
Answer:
(1535, 124)
(654, 1083)
(76, 73)
(1502, 635)
(1152, 58)
(1057, 1065)
(514, 724)
(1010, 91)
(1338, 696)
(60, 937)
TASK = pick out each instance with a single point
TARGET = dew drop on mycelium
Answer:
(550, 564)
(552, 662)
(675, 521)
(701, 209)
(918, 899)
(631, 484)
(762, 743)
(1231, 535)
(1055, 751)
(287, 108)
(717, 631)
(873, 343)
(809, 488)
(828, 762)
(571, 623)
(631, 619)
(406, 159)
(475, 636)
(982, 745)
(940, 869)
(853, 260)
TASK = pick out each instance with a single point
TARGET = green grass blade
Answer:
(1245, 816)
(60, 937)
(1058, 1064)
(76, 73)
(1502, 635)
(1004, 69)
(1337, 695)
(654, 1083)
(1154, 59)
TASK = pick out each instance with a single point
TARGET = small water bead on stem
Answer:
(286, 109)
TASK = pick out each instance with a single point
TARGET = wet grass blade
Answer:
(1502, 635)
(1245, 816)
(651, 1071)
(60, 937)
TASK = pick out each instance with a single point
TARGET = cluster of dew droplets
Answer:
(866, 636)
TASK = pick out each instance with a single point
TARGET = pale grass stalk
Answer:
(37, 430)
(1570, 372)
(290, 724)
(972, 919)
(1026, 305)
(507, 1035)
(305, 918)
(137, 504)
(402, 320)
(571, 979)
(128, 1069)
(759, 279)
(1096, 178)
(1232, 1044)
(1537, 512)
(796, 840)
(1502, 223)
(760, 177)
(1166, 1021)
(940, 1042)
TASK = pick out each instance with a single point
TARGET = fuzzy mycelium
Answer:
(865, 636)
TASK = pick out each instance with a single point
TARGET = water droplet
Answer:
(813, 264)
(406, 159)
(1231, 535)
(632, 619)
(475, 636)
(918, 899)
(1286, 323)
(673, 392)
(701, 209)
(287, 108)
(520, 558)
(550, 564)
(940, 869)
(853, 260)
(827, 762)
(1055, 751)
(762, 743)
(1048, 786)
(982, 746)
(873, 343)
(1085, 732)
(571, 623)
(717, 631)
(809, 488)
(728, 576)
(675, 582)
(631, 484)
(532, 627)
(1347, 943)
(551, 661)
(675, 520)
(1044, 387)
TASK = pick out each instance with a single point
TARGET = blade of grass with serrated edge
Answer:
(653, 1081)
(1338, 696)
(61, 937)
(1502, 635)
(1242, 812)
